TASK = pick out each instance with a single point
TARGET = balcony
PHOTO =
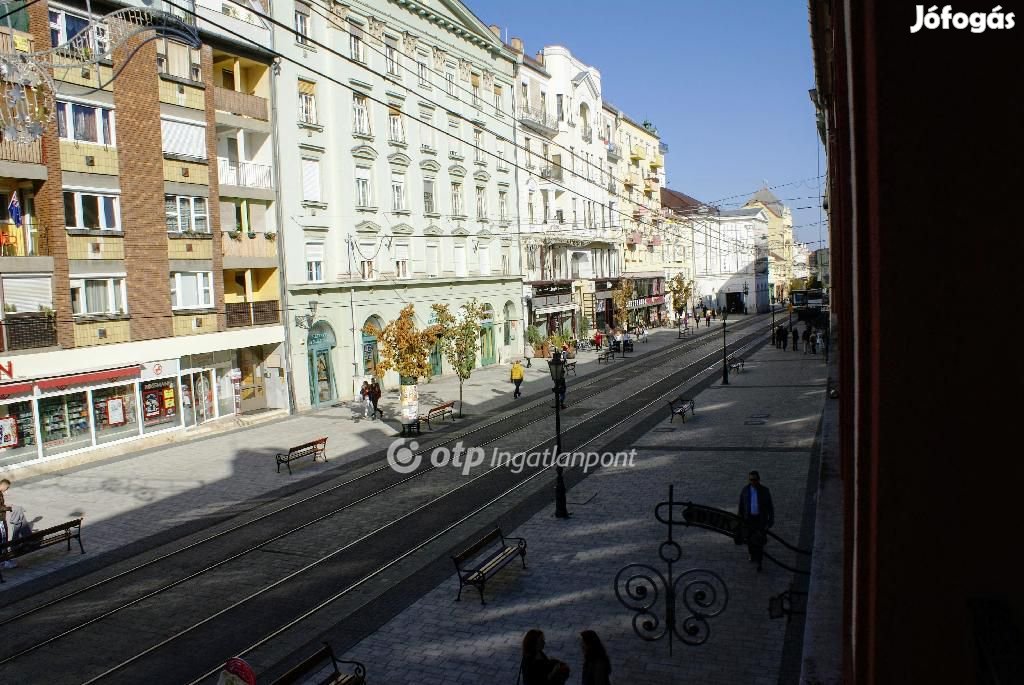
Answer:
(245, 174)
(588, 134)
(551, 172)
(614, 152)
(631, 180)
(650, 187)
(611, 187)
(242, 104)
(245, 250)
(240, 314)
(28, 331)
(539, 120)
(27, 153)
(12, 41)
(637, 152)
(21, 241)
(634, 238)
(658, 161)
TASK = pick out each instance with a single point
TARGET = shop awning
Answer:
(90, 377)
(9, 389)
(551, 309)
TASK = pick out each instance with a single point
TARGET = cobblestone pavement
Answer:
(143, 499)
(765, 419)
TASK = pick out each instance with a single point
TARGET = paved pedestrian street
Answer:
(766, 420)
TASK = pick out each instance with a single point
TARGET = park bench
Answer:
(487, 566)
(683, 330)
(40, 539)
(736, 364)
(314, 663)
(570, 365)
(679, 407)
(438, 412)
(605, 355)
(315, 448)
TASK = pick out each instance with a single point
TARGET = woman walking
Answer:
(375, 394)
(536, 668)
(597, 669)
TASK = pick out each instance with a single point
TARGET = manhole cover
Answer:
(755, 422)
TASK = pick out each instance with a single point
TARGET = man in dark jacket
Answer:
(758, 513)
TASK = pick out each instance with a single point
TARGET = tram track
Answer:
(323, 571)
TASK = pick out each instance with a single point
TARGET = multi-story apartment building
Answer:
(780, 241)
(129, 306)
(639, 173)
(737, 287)
(677, 210)
(570, 246)
(398, 178)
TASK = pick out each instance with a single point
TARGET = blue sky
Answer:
(724, 81)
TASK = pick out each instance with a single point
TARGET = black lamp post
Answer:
(557, 369)
(725, 357)
(746, 291)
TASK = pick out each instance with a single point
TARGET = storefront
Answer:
(648, 306)
(552, 310)
(320, 344)
(604, 305)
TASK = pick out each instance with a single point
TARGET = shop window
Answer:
(159, 404)
(64, 422)
(17, 433)
(114, 413)
(225, 392)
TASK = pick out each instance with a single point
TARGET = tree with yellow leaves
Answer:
(682, 291)
(459, 337)
(621, 298)
(403, 346)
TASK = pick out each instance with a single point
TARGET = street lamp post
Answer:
(725, 357)
(557, 369)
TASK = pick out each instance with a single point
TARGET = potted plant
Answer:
(235, 235)
(270, 235)
(252, 234)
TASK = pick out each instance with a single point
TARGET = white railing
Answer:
(245, 174)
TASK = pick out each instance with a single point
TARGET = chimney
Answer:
(517, 44)
(540, 57)
(496, 30)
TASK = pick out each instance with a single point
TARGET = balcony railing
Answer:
(657, 161)
(552, 172)
(637, 152)
(245, 174)
(631, 179)
(30, 153)
(241, 314)
(614, 152)
(537, 117)
(21, 42)
(242, 104)
(21, 241)
(588, 135)
(28, 331)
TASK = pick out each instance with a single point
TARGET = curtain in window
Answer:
(171, 213)
(189, 295)
(96, 297)
(90, 211)
(85, 123)
(185, 212)
(199, 217)
(109, 212)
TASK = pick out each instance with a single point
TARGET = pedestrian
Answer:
(822, 341)
(517, 378)
(528, 353)
(597, 669)
(808, 344)
(714, 314)
(707, 318)
(796, 336)
(536, 668)
(757, 512)
(4, 485)
(597, 340)
(375, 393)
(364, 396)
(785, 338)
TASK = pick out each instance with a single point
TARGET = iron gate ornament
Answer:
(704, 594)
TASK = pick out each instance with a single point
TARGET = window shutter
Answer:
(433, 265)
(314, 252)
(307, 87)
(28, 294)
(185, 140)
(311, 180)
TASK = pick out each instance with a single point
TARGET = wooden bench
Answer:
(316, 448)
(605, 355)
(570, 365)
(683, 330)
(679, 407)
(440, 411)
(301, 672)
(478, 575)
(735, 364)
(40, 539)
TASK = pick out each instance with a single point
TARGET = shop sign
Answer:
(7, 369)
(236, 387)
(159, 369)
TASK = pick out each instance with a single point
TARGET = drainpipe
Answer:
(519, 231)
(352, 318)
(282, 283)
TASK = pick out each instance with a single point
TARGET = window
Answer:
(475, 83)
(529, 207)
(302, 24)
(396, 130)
(460, 260)
(65, 26)
(366, 270)
(427, 130)
(428, 196)
(560, 107)
(506, 260)
(525, 94)
(181, 61)
(314, 261)
(85, 123)
(449, 77)
(529, 155)
(98, 296)
(502, 205)
(397, 193)
(181, 139)
(484, 255)
(433, 261)
(502, 165)
(457, 199)
(191, 289)
(310, 180)
(357, 48)
(401, 261)
(422, 70)
(360, 115)
(92, 211)
(481, 202)
(307, 102)
(186, 214)
(478, 144)
(498, 99)
(455, 135)
(364, 196)
(391, 55)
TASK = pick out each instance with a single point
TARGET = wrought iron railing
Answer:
(241, 314)
(537, 116)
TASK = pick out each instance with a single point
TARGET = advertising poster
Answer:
(8, 432)
(151, 405)
(409, 402)
(115, 411)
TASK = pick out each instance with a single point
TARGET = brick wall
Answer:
(49, 198)
(140, 159)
